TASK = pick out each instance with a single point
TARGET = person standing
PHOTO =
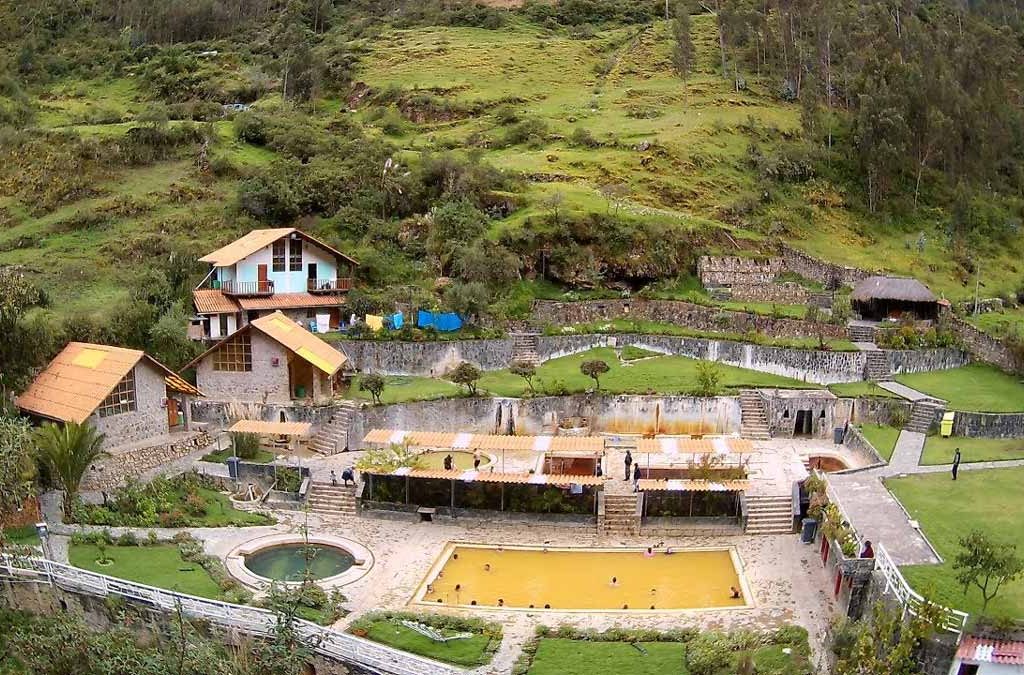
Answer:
(636, 476)
(448, 462)
(476, 459)
(629, 461)
(956, 463)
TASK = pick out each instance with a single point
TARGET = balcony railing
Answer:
(329, 285)
(249, 288)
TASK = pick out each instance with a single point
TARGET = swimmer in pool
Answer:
(487, 567)
(669, 551)
(458, 587)
(615, 581)
(501, 602)
(455, 556)
(649, 553)
(653, 591)
(546, 606)
(734, 593)
(430, 588)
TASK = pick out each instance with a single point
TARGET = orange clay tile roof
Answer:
(290, 301)
(210, 301)
(271, 428)
(257, 239)
(651, 485)
(466, 441)
(74, 384)
(301, 341)
(471, 476)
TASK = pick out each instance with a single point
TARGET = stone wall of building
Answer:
(432, 358)
(113, 470)
(737, 271)
(607, 414)
(878, 410)
(149, 418)
(782, 407)
(984, 347)
(265, 383)
(988, 425)
(685, 314)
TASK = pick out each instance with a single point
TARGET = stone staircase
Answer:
(859, 333)
(923, 414)
(876, 367)
(769, 514)
(332, 499)
(333, 434)
(524, 347)
(620, 516)
(753, 418)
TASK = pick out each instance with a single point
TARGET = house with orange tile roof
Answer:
(125, 394)
(268, 270)
(272, 359)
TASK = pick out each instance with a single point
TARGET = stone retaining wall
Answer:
(111, 471)
(823, 272)
(685, 314)
(785, 293)
(879, 410)
(425, 358)
(989, 425)
(925, 360)
(860, 447)
(734, 270)
(984, 347)
(219, 413)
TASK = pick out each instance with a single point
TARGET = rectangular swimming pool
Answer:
(578, 579)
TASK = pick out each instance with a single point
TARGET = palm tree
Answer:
(68, 450)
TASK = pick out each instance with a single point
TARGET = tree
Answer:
(467, 375)
(292, 41)
(986, 565)
(709, 378)
(886, 643)
(374, 384)
(683, 52)
(468, 300)
(454, 225)
(615, 194)
(19, 351)
(594, 369)
(525, 370)
(16, 466)
(68, 450)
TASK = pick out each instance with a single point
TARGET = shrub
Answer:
(532, 129)
(127, 538)
(708, 653)
(246, 445)
(582, 138)
(709, 378)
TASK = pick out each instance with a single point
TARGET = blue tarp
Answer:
(446, 322)
(397, 320)
(424, 319)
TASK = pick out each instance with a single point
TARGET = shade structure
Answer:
(467, 441)
(668, 445)
(297, 429)
(671, 485)
(470, 476)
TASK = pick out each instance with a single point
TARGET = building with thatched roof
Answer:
(893, 298)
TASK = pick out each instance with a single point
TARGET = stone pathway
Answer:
(906, 392)
(907, 453)
(866, 346)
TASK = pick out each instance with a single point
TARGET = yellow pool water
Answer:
(581, 579)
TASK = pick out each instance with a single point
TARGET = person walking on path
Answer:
(628, 460)
(956, 463)
(636, 476)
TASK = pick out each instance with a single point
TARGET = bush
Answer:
(246, 445)
(708, 653)
(582, 138)
(532, 129)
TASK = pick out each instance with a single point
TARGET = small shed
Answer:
(882, 297)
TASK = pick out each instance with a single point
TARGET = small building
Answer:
(125, 394)
(879, 298)
(273, 359)
(985, 656)
(268, 270)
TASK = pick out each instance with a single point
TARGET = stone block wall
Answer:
(925, 360)
(685, 314)
(113, 470)
(879, 410)
(219, 413)
(984, 347)
(425, 358)
(149, 418)
(785, 293)
(827, 412)
(988, 425)
(734, 271)
(823, 272)
(860, 447)
(264, 383)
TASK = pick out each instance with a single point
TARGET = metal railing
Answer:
(952, 620)
(252, 620)
(264, 287)
(329, 285)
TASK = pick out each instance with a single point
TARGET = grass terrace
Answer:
(987, 500)
(859, 389)
(662, 375)
(403, 388)
(976, 387)
(939, 450)
(263, 456)
(160, 565)
(882, 437)
(386, 628)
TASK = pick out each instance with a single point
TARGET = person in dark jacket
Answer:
(629, 460)
(956, 463)
(636, 476)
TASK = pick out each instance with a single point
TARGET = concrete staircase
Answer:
(333, 434)
(769, 514)
(859, 333)
(524, 347)
(877, 366)
(620, 516)
(923, 414)
(332, 499)
(753, 418)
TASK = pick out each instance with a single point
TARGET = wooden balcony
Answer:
(247, 288)
(341, 285)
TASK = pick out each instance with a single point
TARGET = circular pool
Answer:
(292, 562)
(434, 459)
(826, 463)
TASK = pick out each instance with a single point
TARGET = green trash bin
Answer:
(300, 391)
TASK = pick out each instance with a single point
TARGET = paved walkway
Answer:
(906, 392)
(866, 346)
(907, 453)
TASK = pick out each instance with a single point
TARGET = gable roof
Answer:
(984, 650)
(213, 301)
(255, 240)
(292, 337)
(891, 288)
(291, 301)
(77, 380)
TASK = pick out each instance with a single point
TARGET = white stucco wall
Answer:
(288, 282)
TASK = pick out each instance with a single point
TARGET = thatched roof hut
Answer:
(891, 297)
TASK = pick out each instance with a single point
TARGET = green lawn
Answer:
(22, 536)
(661, 375)
(987, 500)
(220, 456)
(631, 353)
(858, 389)
(469, 652)
(938, 450)
(882, 437)
(159, 566)
(402, 388)
(976, 387)
(557, 656)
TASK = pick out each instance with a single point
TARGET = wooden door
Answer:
(172, 412)
(311, 277)
(262, 284)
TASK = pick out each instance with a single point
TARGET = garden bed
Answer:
(478, 650)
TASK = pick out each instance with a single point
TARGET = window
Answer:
(122, 399)
(235, 355)
(278, 258)
(223, 325)
(295, 256)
